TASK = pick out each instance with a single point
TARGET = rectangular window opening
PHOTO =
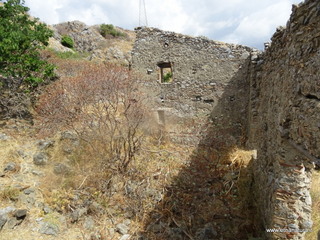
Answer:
(166, 73)
(161, 117)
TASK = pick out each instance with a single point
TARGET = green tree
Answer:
(21, 38)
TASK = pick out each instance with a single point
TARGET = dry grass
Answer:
(209, 189)
(9, 194)
(315, 195)
(8, 153)
(153, 169)
(29, 234)
(206, 187)
(165, 175)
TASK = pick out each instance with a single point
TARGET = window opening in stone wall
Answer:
(208, 100)
(166, 74)
(161, 118)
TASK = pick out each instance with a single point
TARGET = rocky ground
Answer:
(170, 194)
(171, 191)
(87, 39)
(24, 211)
(36, 205)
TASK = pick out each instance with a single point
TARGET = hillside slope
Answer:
(87, 39)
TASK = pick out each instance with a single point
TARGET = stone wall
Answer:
(270, 99)
(201, 69)
(284, 120)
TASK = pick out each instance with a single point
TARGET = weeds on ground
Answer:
(9, 194)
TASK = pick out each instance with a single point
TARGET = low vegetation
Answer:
(109, 29)
(67, 55)
(67, 41)
(167, 77)
(120, 168)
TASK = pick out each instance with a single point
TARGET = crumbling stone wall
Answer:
(284, 120)
(201, 69)
(273, 98)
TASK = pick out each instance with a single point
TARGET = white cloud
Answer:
(92, 15)
(46, 11)
(167, 15)
(260, 25)
(248, 22)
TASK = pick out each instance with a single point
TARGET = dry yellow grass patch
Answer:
(124, 45)
(315, 194)
(155, 167)
(8, 152)
(207, 188)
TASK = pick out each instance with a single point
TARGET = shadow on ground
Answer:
(211, 196)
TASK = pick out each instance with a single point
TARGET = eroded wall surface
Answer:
(284, 120)
(271, 99)
(201, 71)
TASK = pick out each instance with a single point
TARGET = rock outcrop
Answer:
(87, 39)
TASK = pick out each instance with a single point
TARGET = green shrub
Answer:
(108, 29)
(21, 38)
(167, 77)
(67, 41)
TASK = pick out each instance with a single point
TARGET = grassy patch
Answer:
(72, 55)
(9, 193)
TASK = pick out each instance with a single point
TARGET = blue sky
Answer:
(246, 22)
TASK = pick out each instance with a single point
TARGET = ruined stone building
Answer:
(268, 102)
(185, 77)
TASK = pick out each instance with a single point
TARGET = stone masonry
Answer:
(270, 99)
(284, 123)
(201, 70)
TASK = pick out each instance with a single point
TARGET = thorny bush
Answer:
(103, 105)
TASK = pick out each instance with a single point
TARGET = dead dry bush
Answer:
(65, 67)
(103, 106)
